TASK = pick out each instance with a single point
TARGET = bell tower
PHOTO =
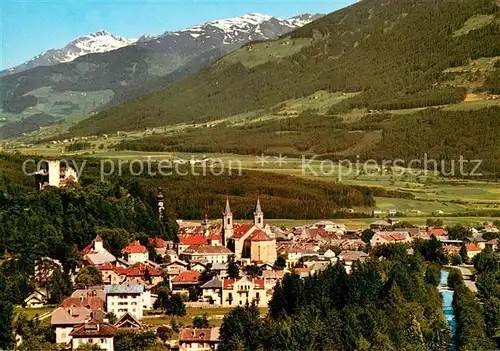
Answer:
(258, 216)
(160, 203)
(227, 224)
(205, 225)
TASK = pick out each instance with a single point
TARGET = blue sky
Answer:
(29, 27)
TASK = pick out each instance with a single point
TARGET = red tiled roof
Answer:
(134, 247)
(258, 283)
(88, 249)
(302, 270)
(215, 236)
(193, 334)
(139, 269)
(229, 283)
(259, 235)
(187, 277)
(241, 229)
(438, 231)
(92, 329)
(207, 250)
(120, 270)
(193, 240)
(393, 237)
(92, 303)
(105, 267)
(157, 242)
(472, 247)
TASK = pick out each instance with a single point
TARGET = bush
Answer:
(456, 260)
(433, 274)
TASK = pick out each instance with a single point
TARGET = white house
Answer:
(124, 298)
(65, 319)
(239, 292)
(37, 299)
(135, 253)
(93, 332)
(205, 339)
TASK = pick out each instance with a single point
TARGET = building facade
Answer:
(125, 298)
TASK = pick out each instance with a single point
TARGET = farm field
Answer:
(363, 223)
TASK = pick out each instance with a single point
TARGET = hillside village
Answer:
(215, 264)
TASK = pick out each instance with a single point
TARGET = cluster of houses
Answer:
(128, 281)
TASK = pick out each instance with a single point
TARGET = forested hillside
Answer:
(394, 52)
(382, 305)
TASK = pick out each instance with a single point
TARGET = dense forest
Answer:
(386, 304)
(393, 52)
(478, 316)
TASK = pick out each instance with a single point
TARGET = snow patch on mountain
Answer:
(98, 42)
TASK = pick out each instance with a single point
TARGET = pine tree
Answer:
(233, 270)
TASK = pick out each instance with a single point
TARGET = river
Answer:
(447, 306)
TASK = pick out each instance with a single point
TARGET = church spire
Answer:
(257, 208)
(258, 216)
(228, 208)
(227, 224)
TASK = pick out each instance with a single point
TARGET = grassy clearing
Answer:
(214, 315)
(257, 54)
(32, 312)
(78, 103)
(474, 23)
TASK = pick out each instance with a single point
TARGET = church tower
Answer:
(258, 216)
(205, 225)
(227, 224)
(159, 202)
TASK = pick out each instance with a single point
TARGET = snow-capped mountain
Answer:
(97, 42)
(129, 68)
(232, 31)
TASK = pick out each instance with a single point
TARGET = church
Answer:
(254, 242)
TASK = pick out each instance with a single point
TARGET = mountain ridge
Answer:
(96, 42)
(103, 41)
(89, 83)
(394, 64)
